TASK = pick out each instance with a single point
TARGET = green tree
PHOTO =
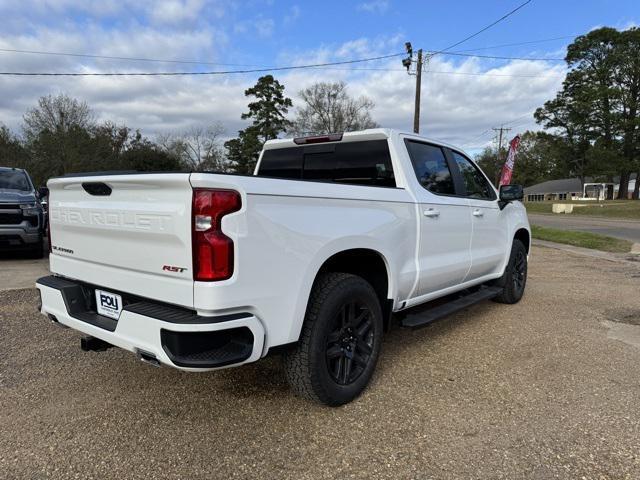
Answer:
(541, 156)
(268, 114)
(243, 152)
(597, 109)
(12, 151)
(61, 136)
(269, 109)
(143, 155)
(628, 77)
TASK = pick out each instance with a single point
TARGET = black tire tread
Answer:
(507, 295)
(297, 364)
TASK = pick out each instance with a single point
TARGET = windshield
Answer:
(12, 180)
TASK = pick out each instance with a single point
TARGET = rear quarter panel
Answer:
(282, 239)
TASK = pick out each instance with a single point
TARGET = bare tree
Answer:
(57, 115)
(200, 148)
(329, 108)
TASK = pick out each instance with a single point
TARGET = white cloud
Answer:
(261, 26)
(176, 11)
(264, 26)
(374, 6)
(293, 15)
(456, 106)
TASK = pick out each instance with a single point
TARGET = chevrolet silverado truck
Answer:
(22, 217)
(331, 240)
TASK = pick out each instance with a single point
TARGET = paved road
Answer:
(547, 388)
(19, 271)
(625, 229)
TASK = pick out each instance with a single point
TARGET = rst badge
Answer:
(173, 269)
(109, 304)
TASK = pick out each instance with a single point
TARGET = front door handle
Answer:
(478, 213)
(432, 213)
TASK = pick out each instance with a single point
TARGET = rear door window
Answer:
(281, 163)
(351, 163)
(431, 167)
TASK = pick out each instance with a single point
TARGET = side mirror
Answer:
(510, 193)
(43, 192)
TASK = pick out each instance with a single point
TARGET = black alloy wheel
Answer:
(519, 273)
(350, 344)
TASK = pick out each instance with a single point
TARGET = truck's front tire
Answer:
(340, 340)
(514, 278)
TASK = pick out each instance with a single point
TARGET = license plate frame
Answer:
(108, 304)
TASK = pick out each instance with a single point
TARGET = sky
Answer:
(463, 98)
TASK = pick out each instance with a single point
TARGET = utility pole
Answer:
(501, 130)
(416, 112)
(406, 62)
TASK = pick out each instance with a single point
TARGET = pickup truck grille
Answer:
(10, 218)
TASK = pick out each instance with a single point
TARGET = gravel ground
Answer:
(547, 388)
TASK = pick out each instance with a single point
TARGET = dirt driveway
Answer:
(548, 388)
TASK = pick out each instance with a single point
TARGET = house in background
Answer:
(563, 189)
(568, 189)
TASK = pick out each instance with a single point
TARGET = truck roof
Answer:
(369, 134)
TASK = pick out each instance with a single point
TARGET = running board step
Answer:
(424, 317)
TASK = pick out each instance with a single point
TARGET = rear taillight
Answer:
(212, 249)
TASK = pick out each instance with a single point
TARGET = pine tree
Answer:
(267, 113)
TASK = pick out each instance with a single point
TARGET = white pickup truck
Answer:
(313, 256)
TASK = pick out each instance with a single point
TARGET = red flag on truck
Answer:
(507, 169)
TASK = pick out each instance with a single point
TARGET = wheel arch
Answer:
(368, 264)
(524, 236)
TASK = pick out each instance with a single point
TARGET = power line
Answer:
(444, 72)
(495, 74)
(531, 42)
(136, 59)
(484, 29)
(203, 62)
(529, 115)
(474, 139)
(218, 72)
(310, 67)
(526, 122)
(535, 59)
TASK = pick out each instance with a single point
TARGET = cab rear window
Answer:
(352, 163)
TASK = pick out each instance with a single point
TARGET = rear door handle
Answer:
(432, 213)
(478, 213)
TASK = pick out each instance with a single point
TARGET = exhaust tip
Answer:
(149, 358)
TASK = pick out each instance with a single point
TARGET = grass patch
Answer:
(628, 209)
(582, 239)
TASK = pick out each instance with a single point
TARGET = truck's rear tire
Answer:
(340, 340)
(514, 279)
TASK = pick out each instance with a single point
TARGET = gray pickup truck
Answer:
(22, 216)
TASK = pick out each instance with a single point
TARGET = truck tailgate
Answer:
(129, 233)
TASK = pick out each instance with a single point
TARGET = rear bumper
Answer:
(175, 337)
